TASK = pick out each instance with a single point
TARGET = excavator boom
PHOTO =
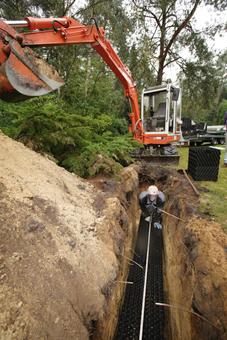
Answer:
(23, 74)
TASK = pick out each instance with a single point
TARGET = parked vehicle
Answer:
(201, 133)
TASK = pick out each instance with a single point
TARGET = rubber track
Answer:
(130, 315)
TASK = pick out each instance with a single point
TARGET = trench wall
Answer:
(122, 222)
(195, 269)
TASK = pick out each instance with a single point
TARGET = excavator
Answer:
(23, 74)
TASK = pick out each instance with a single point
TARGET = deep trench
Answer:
(178, 274)
(129, 323)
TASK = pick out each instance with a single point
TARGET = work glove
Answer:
(157, 225)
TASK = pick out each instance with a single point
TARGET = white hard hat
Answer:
(152, 190)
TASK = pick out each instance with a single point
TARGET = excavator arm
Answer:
(23, 74)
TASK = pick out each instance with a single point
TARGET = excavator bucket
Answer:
(24, 75)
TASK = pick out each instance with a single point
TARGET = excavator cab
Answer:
(159, 111)
(161, 122)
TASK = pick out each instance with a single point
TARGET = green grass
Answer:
(213, 200)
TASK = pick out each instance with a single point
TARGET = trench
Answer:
(182, 271)
(138, 321)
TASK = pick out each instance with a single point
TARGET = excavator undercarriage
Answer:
(167, 155)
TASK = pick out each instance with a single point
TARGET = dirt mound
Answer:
(57, 254)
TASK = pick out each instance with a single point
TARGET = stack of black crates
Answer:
(203, 163)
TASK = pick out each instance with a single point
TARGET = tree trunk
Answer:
(161, 59)
(160, 71)
(88, 73)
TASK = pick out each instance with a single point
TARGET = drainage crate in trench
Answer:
(129, 323)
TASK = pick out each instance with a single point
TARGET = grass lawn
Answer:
(213, 200)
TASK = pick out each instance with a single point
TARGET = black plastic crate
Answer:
(204, 156)
(203, 163)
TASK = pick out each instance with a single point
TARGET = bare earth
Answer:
(65, 244)
(195, 262)
(53, 262)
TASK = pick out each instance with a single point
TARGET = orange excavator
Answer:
(24, 75)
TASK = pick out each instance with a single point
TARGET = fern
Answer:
(84, 144)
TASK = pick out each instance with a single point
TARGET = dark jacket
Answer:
(150, 206)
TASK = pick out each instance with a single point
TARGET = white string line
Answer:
(145, 283)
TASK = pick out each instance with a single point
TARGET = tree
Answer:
(169, 25)
(15, 9)
(167, 20)
(219, 4)
(200, 91)
(222, 108)
(57, 8)
(205, 88)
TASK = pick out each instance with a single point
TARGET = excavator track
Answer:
(158, 155)
(159, 159)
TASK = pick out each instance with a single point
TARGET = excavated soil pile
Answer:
(195, 262)
(61, 248)
(66, 245)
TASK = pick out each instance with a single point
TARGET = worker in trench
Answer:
(150, 201)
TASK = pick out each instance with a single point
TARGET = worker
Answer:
(225, 119)
(150, 201)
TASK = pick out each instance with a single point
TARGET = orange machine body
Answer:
(22, 77)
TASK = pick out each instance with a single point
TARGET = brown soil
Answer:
(65, 244)
(61, 242)
(195, 262)
(41, 66)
